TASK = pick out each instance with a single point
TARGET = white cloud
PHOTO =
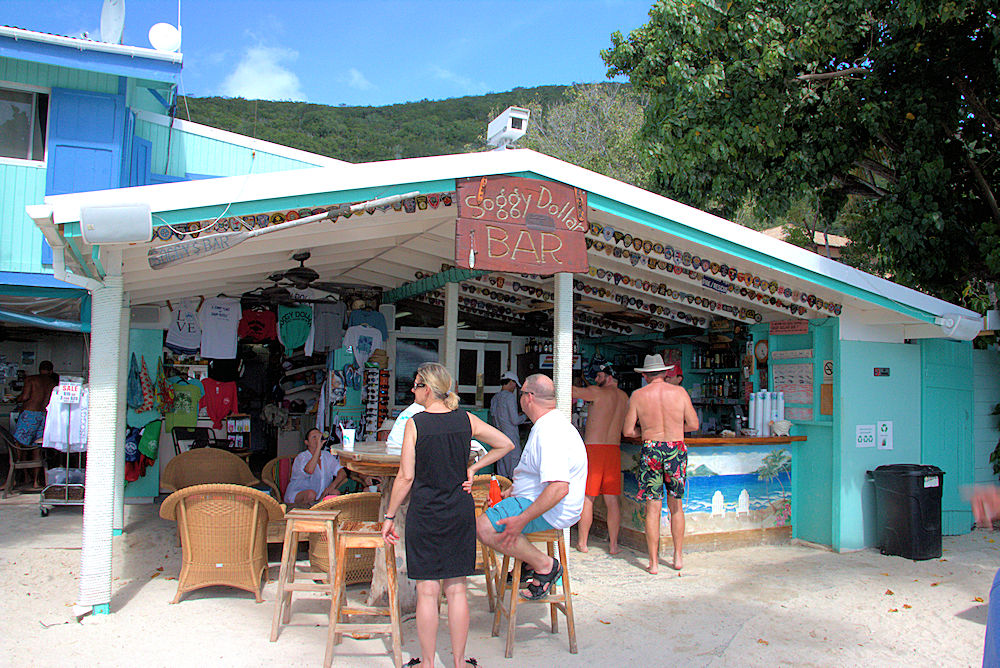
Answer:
(465, 84)
(355, 79)
(261, 75)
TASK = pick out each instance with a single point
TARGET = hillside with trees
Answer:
(364, 134)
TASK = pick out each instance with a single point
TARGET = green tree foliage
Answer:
(595, 127)
(365, 134)
(894, 104)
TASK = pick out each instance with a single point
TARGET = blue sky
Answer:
(373, 52)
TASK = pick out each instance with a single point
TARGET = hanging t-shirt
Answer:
(294, 325)
(258, 326)
(219, 401)
(373, 318)
(66, 424)
(187, 396)
(220, 316)
(184, 332)
(328, 326)
(364, 340)
(310, 294)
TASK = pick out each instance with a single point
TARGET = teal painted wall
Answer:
(20, 240)
(49, 76)
(986, 426)
(195, 154)
(946, 431)
(866, 399)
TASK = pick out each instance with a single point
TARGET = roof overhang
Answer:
(390, 248)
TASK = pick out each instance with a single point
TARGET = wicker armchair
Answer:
(270, 476)
(223, 531)
(205, 466)
(360, 563)
(21, 458)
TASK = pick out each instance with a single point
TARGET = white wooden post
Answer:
(449, 355)
(562, 344)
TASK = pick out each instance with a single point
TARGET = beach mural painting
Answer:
(727, 489)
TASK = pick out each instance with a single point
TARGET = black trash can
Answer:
(908, 510)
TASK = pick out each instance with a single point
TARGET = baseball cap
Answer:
(607, 369)
(510, 375)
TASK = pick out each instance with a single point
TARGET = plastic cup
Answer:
(348, 439)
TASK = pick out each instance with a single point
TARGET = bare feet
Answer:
(613, 549)
(678, 562)
(582, 548)
(653, 569)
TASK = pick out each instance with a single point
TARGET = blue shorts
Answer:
(515, 505)
(30, 426)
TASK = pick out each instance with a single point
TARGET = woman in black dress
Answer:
(441, 520)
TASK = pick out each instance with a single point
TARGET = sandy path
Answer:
(747, 606)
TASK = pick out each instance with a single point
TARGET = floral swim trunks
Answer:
(662, 463)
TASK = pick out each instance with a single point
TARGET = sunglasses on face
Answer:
(417, 386)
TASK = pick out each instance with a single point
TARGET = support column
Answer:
(98, 508)
(118, 517)
(562, 342)
(449, 356)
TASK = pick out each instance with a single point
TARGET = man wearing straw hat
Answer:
(664, 412)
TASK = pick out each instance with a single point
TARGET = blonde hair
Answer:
(439, 380)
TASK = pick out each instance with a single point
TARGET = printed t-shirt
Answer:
(372, 318)
(220, 317)
(187, 396)
(310, 294)
(328, 326)
(364, 340)
(554, 452)
(294, 326)
(184, 332)
(258, 326)
(219, 400)
(395, 437)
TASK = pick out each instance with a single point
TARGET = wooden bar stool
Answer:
(357, 534)
(299, 522)
(557, 602)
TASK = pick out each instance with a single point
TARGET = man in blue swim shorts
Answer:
(33, 399)
(548, 489)
(664, 412)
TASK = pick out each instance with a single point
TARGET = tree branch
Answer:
(877, 168)
(991, 201)
(966, 90)
(822, 76)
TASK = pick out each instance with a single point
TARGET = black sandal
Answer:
(412, 662)
(527, 573)
(471, 661)
(545, 582)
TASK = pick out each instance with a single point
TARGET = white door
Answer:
(479, 367)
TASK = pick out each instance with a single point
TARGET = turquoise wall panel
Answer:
(865, 399)
(812, 484)
(946, 431)
(49, 76)
(985, 425)
(20, 240)
(190, 153)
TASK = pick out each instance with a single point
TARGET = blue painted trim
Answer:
(101, 609)
(30, 280)
(651, 220)
(191, 176)
(159, 98)
(42, 322)
(74, 247)
(95, 256)
(92, 61)
(85, 316)
(117, 532)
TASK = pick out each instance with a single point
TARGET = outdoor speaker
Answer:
(117, 224)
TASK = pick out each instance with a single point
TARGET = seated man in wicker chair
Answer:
(316, 472)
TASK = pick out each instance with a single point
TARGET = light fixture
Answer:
(959, 327)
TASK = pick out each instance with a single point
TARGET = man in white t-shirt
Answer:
(548, 489)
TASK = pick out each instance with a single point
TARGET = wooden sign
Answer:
(510, 223)
(789, 327)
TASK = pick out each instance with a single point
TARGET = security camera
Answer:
(508, 127)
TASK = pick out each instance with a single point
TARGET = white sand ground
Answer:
(758, 606)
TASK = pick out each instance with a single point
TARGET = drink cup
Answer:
(348, 439)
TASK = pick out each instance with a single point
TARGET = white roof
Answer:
(389, 247)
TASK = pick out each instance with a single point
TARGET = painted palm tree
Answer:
(774, 464)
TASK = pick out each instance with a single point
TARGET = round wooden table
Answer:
(373, 459)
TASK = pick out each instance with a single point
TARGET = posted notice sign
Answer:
(69, 393)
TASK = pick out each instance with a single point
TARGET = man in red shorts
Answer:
(664, 412)
(602, 436)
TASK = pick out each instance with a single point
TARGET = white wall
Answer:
(65, 351)
(986, 395)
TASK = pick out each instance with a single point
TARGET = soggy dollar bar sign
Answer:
(510, 223)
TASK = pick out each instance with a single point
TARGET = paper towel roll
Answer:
(781, 406)
(759, 416)
(752, 419)
(767, 414)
